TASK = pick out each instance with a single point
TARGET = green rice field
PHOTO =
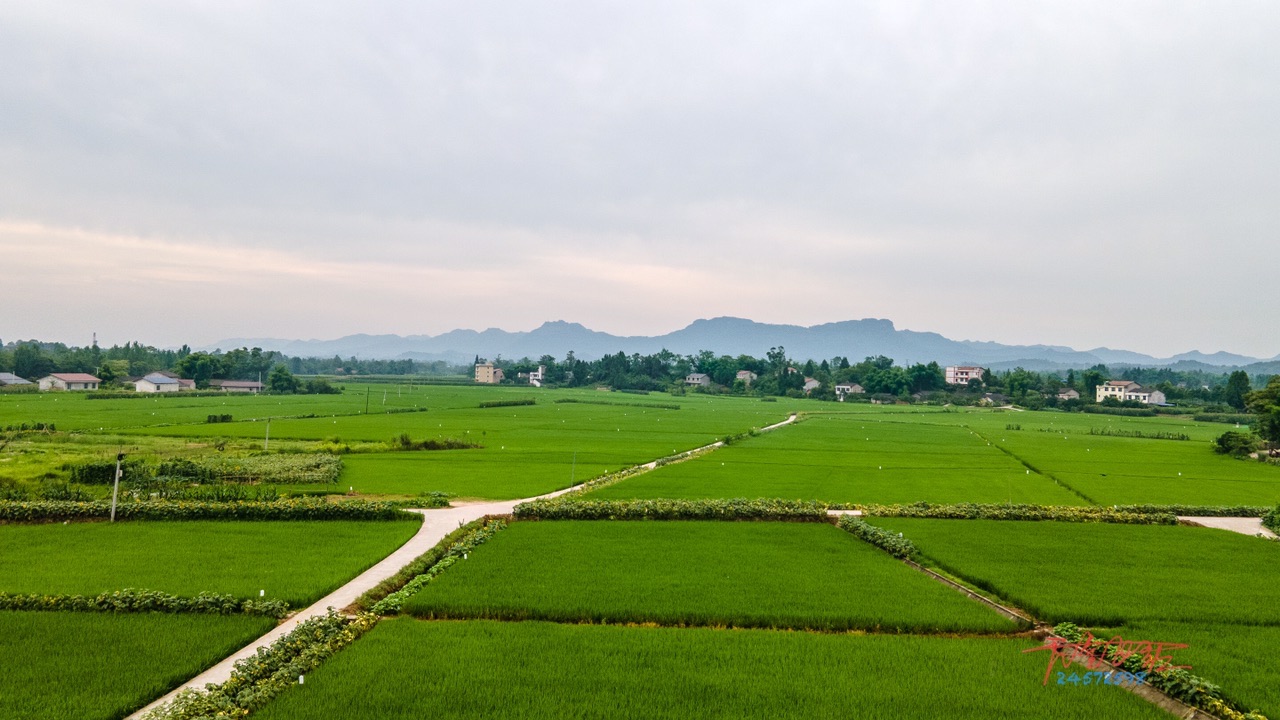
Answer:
(853, 459)
(297, 562)
(407, 668)
(743, 574)
(1101, 574)
(100, 666)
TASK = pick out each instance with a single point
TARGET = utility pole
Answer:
(366, 400)
(115, 491)
(573, 469)
(267, 439)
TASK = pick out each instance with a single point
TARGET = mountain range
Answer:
(854, 339)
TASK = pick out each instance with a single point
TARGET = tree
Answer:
(1265, 403)
(1237, 388)
(280, 380)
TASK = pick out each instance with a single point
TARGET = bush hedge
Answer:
(1197, 510)
(1174, 682)
(1271, 520)
(286, 509)
(733, 509)
(507, 403)
(893, 543)
(981, 511)
(257, 679)
(131, 600)
(1231, 418)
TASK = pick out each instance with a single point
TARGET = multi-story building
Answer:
(962, 374)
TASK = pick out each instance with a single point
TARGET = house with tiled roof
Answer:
(7, 379)
(157, 383)
(69, 381)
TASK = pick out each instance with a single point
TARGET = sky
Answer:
(1085, 174)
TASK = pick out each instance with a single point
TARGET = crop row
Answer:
(131, 600)
(257, 679)
(992, 511)
(457, 551)
(286, 509)
(732, 509)
(893, 543)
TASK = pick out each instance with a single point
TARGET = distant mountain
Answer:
(854, 339)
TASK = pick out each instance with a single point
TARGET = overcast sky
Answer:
(1077, 173)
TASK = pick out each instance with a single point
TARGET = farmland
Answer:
(297, 562)
(407, 668)
(854, 459)
(101, 666)
(744, 574)
(1104, 574)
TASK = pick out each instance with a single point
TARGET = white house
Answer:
(848, 389)
(69, 381)
(810, 385)
(1129, 390)
(747, 377)
(156, 383)
(536, 377)
(11, 379)
(1114, 389)
(699, 379)
(962, 374)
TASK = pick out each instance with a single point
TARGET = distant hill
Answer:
(854, 339)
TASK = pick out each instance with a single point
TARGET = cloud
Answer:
(357, 167)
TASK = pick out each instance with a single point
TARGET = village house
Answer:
(487, 374)
(7, 379)
(848, 389)
(1068, 394)
(69, 381)
(810, 385)
(962, 374)
(249, 386)
(698, 379)
(1129, 390)
(747, 377)
(156, 383)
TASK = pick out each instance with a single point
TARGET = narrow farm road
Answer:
(437, 523)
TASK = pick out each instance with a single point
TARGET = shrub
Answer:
(892, 543)
(1196, 510)
(976, 511)
(1150, 435)
(1237, 444)
(507, 403)
(1272, 520)
(131, 600)
(218, 419)
(287, 509)
(407, 443)
(186, 469)
(103, 472)
(283, 469)
(1230, 418)
(735, 509)
(660, 406)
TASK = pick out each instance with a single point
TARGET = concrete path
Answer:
(437, 523)
(1242, 525)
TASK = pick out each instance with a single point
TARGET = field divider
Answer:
(1033, 468)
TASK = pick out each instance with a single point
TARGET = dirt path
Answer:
(437, 523)
(1242, 525)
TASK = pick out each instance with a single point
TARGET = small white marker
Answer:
(262, 593)
(302, 679)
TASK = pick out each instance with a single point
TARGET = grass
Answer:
(293, 561)
(1240, 658)
(790, 575)
(856, 459)
(407, 668)
(93, 666)
(1108, 574)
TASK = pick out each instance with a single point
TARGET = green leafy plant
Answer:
(734, 509)
(893, 543)
(131, 600)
